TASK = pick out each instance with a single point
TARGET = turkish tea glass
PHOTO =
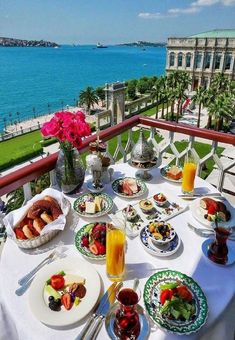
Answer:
(218, 249)
(127, 323)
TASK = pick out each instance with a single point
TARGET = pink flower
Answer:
(83, 129)
(77, 143)
(67, 126)
(71, 135)
(79, 115)
(50, 128)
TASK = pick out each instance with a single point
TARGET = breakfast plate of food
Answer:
(90, 240)
(208, 210)
(175, 302)
(64, 292)
(172, 173)
(93, 205)
(158, 249)
(129, 187)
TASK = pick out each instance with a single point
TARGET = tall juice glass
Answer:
(189, 173)
(115, 252)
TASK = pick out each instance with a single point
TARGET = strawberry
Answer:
(166, 294)
(20, 234)
(93, 249)
(101, 248)
(85, 242)
(184, 293)
(211, 209)
(57, 281)
(66, 301)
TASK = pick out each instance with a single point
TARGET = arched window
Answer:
(172, 59)
(188, 59)
(198, 60)
(227, 61)
(207, 62)
(180, 59)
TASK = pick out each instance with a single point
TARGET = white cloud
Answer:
(188, 10)
(147, 15)
(202, 3)
(194, 7)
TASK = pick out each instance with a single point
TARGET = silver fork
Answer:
(28, 276)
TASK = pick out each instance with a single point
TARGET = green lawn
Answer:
(20, 149)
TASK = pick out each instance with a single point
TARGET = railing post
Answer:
(27, 192)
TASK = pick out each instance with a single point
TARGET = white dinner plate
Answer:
(64, 317)
(198, 213)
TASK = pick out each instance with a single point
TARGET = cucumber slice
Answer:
(51, 291)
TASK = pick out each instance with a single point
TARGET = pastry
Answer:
(174, 173)
(46, 217)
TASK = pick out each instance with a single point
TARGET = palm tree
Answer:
(220, 82)
(219, 108)
(199, 98)
(88, 97)
(101, 94)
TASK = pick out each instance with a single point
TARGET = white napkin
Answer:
(14, 217)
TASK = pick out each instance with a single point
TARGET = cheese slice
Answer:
(98, 204)
(90, 207)
(71, 278)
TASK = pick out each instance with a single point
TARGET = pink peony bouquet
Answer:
(68, 128)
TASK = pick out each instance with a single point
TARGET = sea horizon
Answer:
(41, 80)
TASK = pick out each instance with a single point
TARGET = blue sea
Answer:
(35, 81)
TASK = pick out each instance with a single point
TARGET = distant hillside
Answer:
(144, 44)
(11, 42)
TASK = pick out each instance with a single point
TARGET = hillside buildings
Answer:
(203, 55)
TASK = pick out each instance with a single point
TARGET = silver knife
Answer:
(104, 312)
(110, 291)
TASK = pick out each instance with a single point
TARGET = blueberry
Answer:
(51, 298)
(54, 306)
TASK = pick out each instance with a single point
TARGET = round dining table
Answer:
(217, 282)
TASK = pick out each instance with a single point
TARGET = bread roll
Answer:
(38, 224)
(27, 232)
(46, 217)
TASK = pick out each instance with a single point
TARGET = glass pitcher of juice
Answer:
(115, 252)
(189, 173)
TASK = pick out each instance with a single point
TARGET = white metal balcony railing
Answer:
(169, 133)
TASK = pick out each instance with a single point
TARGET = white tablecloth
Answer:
(218, 283)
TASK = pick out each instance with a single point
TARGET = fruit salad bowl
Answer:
(90, 241)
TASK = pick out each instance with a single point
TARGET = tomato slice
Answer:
(57, 281)
(166, 294)
(184, 293)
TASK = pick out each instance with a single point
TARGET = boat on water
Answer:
(99, 45)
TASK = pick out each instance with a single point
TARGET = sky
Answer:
(112, 21)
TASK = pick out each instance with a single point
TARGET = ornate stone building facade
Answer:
(202, 56)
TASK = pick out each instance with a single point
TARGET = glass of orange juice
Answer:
(189, 173)
(115, 252)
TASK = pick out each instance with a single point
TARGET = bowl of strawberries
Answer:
(90, 240)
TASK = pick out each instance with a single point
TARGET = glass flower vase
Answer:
(70, 170)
